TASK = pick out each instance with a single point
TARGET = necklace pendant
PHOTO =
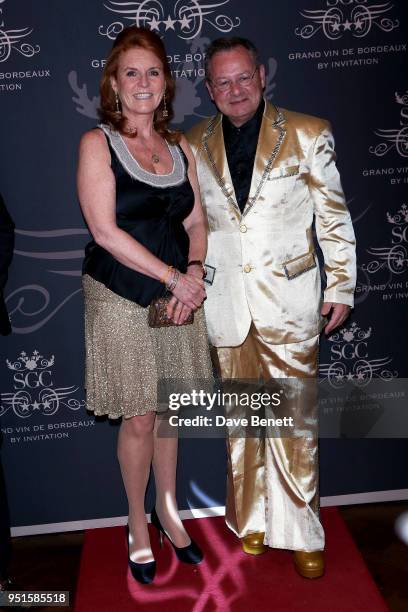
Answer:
(155, 158)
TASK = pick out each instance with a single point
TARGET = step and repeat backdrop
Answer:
(345, 60)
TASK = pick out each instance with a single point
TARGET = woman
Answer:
(143, 210)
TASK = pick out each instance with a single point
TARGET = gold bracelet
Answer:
(169, 271)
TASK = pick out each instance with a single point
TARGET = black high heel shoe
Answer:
(142, 572)
(187, 554)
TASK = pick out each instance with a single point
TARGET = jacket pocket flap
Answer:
(303, 263)
(283, 172)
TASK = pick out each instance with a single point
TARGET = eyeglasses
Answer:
(224, 85)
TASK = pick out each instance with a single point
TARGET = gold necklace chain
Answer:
(154, 155)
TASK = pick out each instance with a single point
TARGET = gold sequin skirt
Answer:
(125, 358)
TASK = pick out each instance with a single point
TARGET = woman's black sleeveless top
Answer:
(151, 208)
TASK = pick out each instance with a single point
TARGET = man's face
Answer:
(235, 94)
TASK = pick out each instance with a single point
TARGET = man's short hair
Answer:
(226, 44)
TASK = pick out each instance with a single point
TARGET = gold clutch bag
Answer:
(157, 316)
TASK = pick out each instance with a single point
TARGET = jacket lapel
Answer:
(271, 137)
(213, 143)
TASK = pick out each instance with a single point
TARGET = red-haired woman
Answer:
(138, 191)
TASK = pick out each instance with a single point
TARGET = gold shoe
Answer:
(253, 544)
(309, 564)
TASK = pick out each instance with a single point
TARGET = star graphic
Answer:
(154, 24)
(25, 407)
(169, 23)
(184, 22)
(400, 262)
(360, 376)
(358, 24)
(36, 405)
(349, 376)
(347, 25)
(336, 26)
(339, 377)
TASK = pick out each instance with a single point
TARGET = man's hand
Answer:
(339, 313)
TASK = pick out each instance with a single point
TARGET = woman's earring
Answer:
(165, 112)
(117, 103)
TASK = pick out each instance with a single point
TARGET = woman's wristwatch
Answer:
(198, 262)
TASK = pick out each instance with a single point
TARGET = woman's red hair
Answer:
(130, 38)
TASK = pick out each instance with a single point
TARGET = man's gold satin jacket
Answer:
(266, 269)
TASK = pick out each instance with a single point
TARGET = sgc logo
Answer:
(34, 390)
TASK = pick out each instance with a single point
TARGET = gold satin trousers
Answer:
(272, 483)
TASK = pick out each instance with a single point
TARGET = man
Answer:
(6, 252)
(265, 175)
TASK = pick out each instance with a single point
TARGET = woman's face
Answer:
(139, 81)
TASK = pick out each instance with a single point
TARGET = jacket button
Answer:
(243, 228)
(247, 268)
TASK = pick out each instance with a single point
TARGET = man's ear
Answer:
(208, 86)
(262, 75)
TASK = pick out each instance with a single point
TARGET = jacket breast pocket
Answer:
(283, 172)
(299, 265)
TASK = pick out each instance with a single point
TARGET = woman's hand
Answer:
(196, 270)
(188, 295)
(189, 290)
(177, 311)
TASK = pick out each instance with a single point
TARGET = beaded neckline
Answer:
(134, 169)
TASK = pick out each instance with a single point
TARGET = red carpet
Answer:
(227, 580)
